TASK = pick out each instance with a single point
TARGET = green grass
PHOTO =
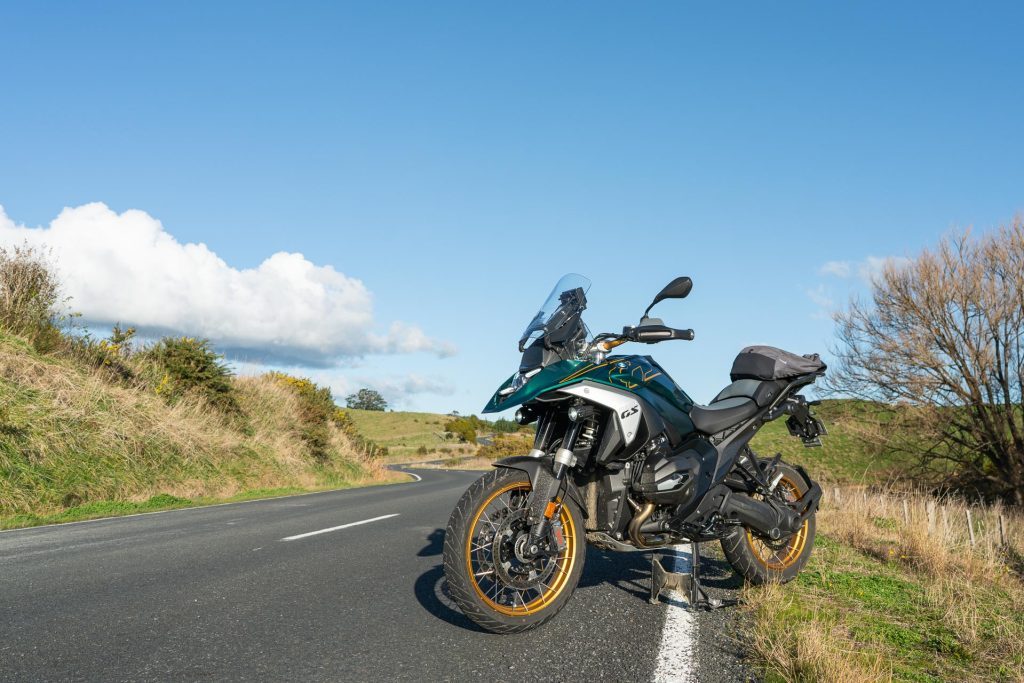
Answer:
(165, 501)
(402, 433)
(844, 457)
(881, 611)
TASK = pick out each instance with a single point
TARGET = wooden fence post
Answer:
(930, 509)
(837, 496)
(906, 512)
(1002, 530)
(970, 526)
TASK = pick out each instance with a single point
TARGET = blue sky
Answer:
(456, 159)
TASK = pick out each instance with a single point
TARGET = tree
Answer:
(366, 399)
(940, 348)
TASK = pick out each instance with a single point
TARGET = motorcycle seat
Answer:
(737, 402)
(722, 414)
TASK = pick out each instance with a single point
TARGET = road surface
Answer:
(340, 585)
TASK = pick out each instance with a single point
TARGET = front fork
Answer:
(545, 504)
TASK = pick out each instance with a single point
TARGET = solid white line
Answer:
(413, 474)
(336, 528)
(676, 655)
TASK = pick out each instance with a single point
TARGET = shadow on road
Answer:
(435, 544)
(432, 593)
(627, 572)
(716, 572)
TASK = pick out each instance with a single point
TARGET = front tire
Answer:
(489, 582)
(759, 560)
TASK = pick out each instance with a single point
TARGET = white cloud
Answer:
(837, 268)
(821, 297)
(867, 270)
(127, 268)
(872, 267)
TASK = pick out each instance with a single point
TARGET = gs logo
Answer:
(631, 411)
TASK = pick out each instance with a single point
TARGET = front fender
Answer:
(538, 467)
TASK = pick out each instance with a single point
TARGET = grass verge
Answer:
(165, 501)
(897, 594)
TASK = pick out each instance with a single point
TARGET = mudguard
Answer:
(537, 468)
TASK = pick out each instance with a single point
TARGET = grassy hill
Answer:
(846, 455)
(78, 439)
(409, 435)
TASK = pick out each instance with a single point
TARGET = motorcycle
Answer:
(624, 460)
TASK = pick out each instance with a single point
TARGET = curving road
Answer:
(340, 585)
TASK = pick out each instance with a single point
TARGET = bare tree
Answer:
(940, 347)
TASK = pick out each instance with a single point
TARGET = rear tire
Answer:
(482, 569)
(758, 560)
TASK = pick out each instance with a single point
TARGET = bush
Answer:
(505, 426)
(463, 428)
(110, 355)
(30, 297)
(316, 411)
(505, 445)
(189, 366)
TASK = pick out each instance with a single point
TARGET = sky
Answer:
(383, 194)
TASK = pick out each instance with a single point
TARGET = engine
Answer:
(677, 477)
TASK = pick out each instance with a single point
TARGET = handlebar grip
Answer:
(650, 334)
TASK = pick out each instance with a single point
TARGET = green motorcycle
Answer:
(624, 460)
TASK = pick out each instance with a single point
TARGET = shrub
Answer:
(505, 445)
(506, 426)
(110, 355)
(30, 297)
(422, 450)
(189, 366)
(316, 412)
(463, 428)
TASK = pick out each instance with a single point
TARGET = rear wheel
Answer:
(761, 560)
(489, 576)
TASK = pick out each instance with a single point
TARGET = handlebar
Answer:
(652, 334)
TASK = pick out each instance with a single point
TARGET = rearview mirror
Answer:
(677, 289)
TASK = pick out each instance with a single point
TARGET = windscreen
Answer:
(559, 295)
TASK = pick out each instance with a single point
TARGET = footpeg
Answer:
(662, 579)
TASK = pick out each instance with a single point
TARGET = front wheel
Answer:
(760, 560)
(489, 577)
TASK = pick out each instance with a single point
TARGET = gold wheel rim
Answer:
(558, 577)
(781, 557)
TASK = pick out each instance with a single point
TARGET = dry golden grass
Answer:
(69, 436)
(897, 591)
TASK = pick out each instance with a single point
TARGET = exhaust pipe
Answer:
(766, 519)
(639, 539)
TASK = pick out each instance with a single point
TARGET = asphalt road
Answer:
(215, 593)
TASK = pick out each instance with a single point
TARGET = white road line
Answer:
(676, 656)
(413, 474)
(336, 528)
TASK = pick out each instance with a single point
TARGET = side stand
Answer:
(662, 579)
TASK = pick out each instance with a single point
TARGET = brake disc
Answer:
(511, 564)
